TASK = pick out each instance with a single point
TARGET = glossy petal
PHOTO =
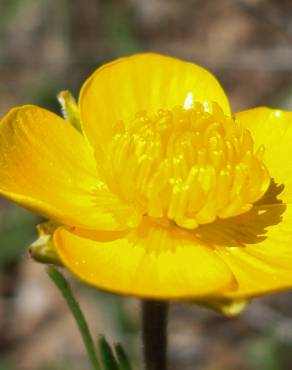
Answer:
(260, 241)
(152, 261)
(273, 129)
(118, 90)
(264, 267)
(46, 165)
(257, 248)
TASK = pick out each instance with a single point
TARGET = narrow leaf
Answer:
(74, 307)
(123, 362)
(106, 354)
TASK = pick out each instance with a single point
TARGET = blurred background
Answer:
(50, 45)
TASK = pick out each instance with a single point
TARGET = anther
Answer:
(187, 165)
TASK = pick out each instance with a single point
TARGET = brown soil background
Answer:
(50, 45)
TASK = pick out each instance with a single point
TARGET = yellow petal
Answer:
(47, 166)
(257, 247)
(151, 261)
(118, 90)
(273, 129)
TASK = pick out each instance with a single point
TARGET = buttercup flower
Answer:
(162, 192)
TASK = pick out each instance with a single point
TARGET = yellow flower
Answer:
(162, 192)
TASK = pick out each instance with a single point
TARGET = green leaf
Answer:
(123, 362)
(106, 354)
(73, 305)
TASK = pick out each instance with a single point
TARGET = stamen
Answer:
(186, 165)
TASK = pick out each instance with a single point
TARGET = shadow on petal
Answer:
(247, 228)
(160, 236)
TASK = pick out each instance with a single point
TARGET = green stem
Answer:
(73, 305)
(154, 332)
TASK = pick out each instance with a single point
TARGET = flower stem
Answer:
(154, 332)
(64, 288)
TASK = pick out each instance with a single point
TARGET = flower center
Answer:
(186, 165)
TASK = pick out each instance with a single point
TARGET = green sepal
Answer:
(42, 250)
(225, 306)
(70, 109)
